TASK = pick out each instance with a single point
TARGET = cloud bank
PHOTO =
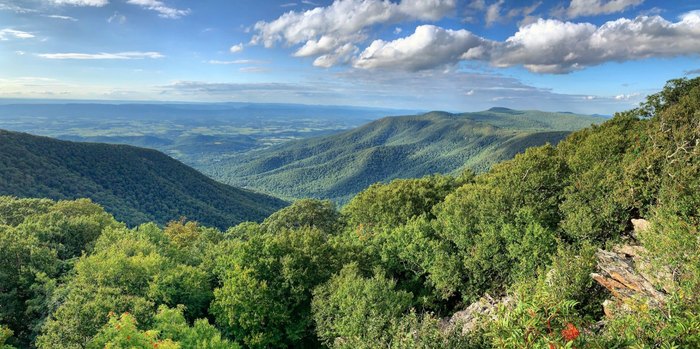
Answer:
(333, 36)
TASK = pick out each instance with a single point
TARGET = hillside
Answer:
(136, 185)
(338, 166)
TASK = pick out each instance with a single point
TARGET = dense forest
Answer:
(339, 166)
(395, 266)
(137, 185)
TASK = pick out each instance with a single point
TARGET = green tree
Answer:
(352, 311)
(320, 214)
(386, 206)
(266, 283)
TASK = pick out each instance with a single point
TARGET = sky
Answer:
(586, 56)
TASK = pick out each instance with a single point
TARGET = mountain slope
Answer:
(135, 184)
(339, 166)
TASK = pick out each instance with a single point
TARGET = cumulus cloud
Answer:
(327, 31)
(102, 56)
(94, 3)
(337, 35)
(155, 5)
(8, 33)
(579, 8)
(236, 48)
(553, 46)
(545, 46)
(428, 47)
(341, 55)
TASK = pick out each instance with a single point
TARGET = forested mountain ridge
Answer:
(137, 185)
(337, 167)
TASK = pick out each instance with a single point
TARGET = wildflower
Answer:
(570, 333)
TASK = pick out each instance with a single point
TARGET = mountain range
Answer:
(340, 165)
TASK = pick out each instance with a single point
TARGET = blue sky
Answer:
(592, 56)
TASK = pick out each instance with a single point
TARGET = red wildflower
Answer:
(551, 346)
(570, 333)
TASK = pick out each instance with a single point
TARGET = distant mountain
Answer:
(136, 185)
(341, 165)
(197, 134)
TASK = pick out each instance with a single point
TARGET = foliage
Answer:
(351, 309)
(5, 333)
(129, 271)
(170, 330)
(266, 283)
(306, 213)
(386, 206)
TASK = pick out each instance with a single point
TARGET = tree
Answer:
(266, 282)
(352, 311)
(320, 214)
(386, 206)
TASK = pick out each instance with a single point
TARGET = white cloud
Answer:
(579, 8)
(626, 97)
(102, 56)
(334, 35)
(493, 12)
(94, 3)
(8, 33)
(428, 47)
(160, 7)
(236, 48)
(341, 55)
(323, 45)
(117, 18)
(65, 18)
(326, 30)
(553, 46)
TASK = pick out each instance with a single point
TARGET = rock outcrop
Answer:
(469, 318)
(629, 276)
